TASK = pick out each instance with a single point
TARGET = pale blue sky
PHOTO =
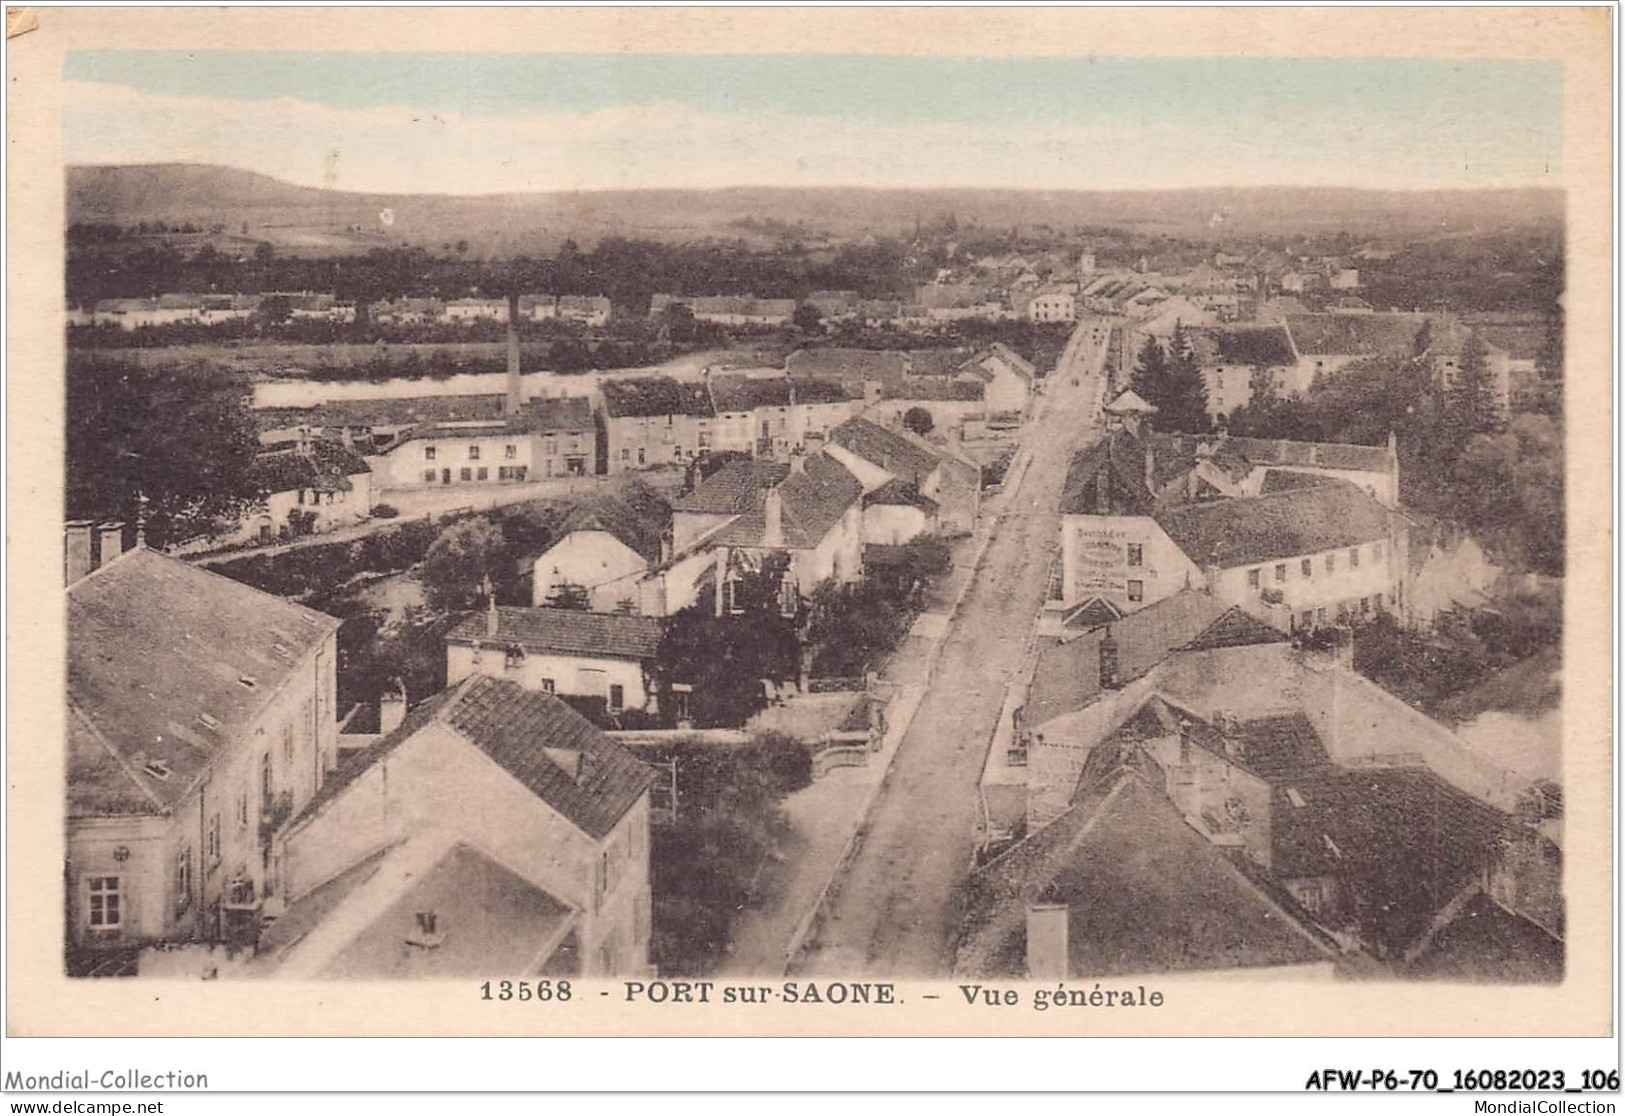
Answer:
(484, 122)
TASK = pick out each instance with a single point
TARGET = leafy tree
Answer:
(704, 867)
(808, 318)
(919, 420)
(725, 658)
(181, 438)
(1471, 398)
(461, 560)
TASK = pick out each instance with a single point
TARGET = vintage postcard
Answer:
(809, 522)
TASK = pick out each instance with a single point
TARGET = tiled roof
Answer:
(516, 728)
(1234, 532)
(1265, 346)
(1286, 480)
(934, 389)
(564, 631)
(1145, 893)
(1067, 674)
(850, 366)
(154, 646)
(1361, 335)
(638, 517)
(408, 411)
(1236, 628)
(1402, 840)
(1096, 612)
(1129, 403)
(1107, 477)
(894, 452)
(563, 414)
(901, 493)
(1486, 943)
(735, 488)
(325, 466)
(747, 393)
(812, 502)
(812, 389)
(649, 396)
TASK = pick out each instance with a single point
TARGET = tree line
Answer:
(626, 270)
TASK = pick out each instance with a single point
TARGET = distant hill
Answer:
(318, 220)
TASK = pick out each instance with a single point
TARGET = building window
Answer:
(626, 454)
(504, 473)
(483, 473)
(1136, 554)
(553, 446)
(267, 784)
(548, 687)
(617, 697)
(515, 658)
(428, 476)
(705, 440)
(242, 810)
(106, 910)
(1354, 557)
(640, 455)
(212, 840)
(519, 472)
(465, 473)
(1253, 578)
(1280, 571)
(1308, 568)
(1320, 616)
(474, 453)
(510, 451)
(287, 741)
(1331, 563)
(299, 496)
(428, 453)
(1307, 621)
(183, 879)
(1136, 590)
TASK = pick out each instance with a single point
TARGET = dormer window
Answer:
(515, 658)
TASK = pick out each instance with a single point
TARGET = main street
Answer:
(895, 909)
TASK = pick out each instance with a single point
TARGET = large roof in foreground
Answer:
(517, 728)
(167, 663)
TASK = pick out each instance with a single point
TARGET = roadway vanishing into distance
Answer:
(894, 912)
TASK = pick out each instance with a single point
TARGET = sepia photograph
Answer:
(780, 528)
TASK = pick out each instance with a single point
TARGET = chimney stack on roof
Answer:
(1047, 945)
(111, 538)
(773, 516)
(77, 559)
(1108, 660)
